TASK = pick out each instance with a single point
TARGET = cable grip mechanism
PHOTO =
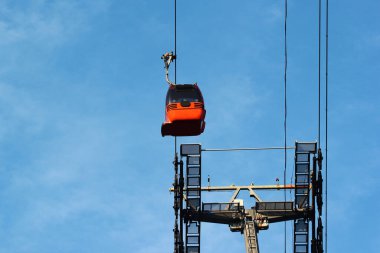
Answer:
(168, 58)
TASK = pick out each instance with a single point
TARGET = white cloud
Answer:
(46, 22)
(19, 111)
(232, 100)
(274, 13)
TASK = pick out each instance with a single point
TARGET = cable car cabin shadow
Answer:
(184, 111)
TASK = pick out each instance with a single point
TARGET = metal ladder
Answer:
(250, 236)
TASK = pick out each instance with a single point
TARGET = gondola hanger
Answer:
(168, 58)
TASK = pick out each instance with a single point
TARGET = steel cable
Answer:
(285, 106)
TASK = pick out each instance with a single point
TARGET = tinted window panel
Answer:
(180, 95)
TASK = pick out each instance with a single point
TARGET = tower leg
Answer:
(250, 236)
(176, 207)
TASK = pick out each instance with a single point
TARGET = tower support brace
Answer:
(302, 194)
(192, 153)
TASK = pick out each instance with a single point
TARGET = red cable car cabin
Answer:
(184, 111)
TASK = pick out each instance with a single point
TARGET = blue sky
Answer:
(83, 167)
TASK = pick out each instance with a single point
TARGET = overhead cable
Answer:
(326, 121)
(285, 103)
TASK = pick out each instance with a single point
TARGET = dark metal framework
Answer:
(302, 194)
(303, 211)
(192, 153)
(311, 203)
(178, 202)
